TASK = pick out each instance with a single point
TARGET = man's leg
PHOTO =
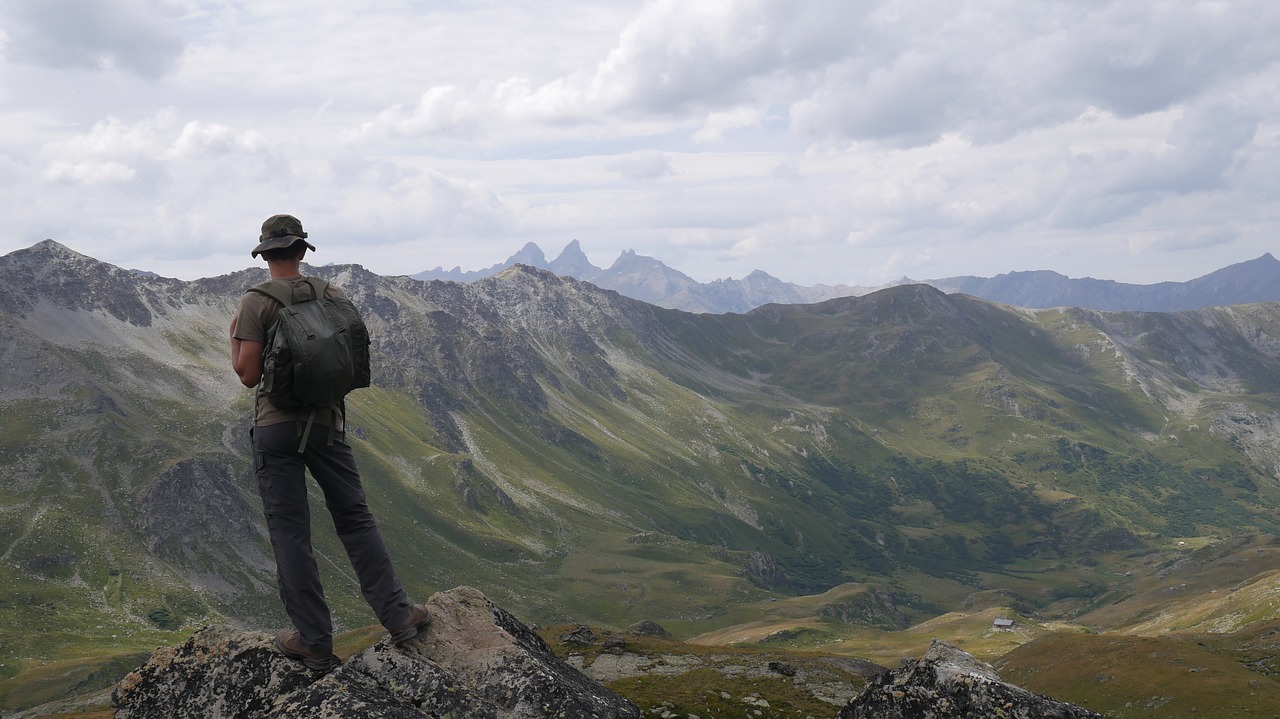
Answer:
(283, 486)
(334, 469)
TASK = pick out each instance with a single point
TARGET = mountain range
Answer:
(580, 455)
(649, 280)
(652, 281)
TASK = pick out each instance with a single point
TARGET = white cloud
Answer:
(113, 137)
(440, 110)
(158, 137)
(213, 138)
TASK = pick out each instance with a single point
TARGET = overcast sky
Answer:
(832, 141)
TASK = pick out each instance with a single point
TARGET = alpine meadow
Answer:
(853, 477)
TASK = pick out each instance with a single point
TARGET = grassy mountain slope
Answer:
(580, 456)
(1129, 677)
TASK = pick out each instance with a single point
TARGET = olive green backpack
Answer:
(317, 349)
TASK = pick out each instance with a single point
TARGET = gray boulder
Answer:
(474, 660)
(948, 683)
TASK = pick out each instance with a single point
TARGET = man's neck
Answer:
(284, 269)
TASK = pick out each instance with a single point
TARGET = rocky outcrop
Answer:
(475, 660)
(948, 683)
(763, 571)
(874, 608)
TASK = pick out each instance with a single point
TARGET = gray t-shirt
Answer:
(254, 317)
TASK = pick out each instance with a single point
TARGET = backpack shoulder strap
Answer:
(272, 289)
(318, 287)
(286, 296)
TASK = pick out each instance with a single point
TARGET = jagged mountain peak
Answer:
(530, 254)
(574, 263)
(571, 262)
(630, 256)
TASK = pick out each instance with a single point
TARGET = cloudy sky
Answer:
(833, 141)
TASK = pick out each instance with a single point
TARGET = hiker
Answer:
(287, 441)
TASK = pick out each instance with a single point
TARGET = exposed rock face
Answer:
(763, 571)
(947, 683)
(475, 660)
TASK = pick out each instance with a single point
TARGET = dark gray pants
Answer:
(282, 483)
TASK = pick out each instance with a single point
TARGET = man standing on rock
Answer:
(284, 446)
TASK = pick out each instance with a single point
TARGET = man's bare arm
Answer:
(246, 358)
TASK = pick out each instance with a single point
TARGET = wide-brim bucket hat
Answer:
(279, 232)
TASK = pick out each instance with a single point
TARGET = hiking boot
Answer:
(289, 642)
(409, 628)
